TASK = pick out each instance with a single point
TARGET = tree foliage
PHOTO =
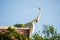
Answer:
(37, 37)
(48, 33)
(11, 35)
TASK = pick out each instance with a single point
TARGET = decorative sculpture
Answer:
(31, 23)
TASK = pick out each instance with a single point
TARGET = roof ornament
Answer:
(31, 23)
(38, 17)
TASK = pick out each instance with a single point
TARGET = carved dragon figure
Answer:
(31, 23)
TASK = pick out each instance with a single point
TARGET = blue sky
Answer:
(23, 11)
